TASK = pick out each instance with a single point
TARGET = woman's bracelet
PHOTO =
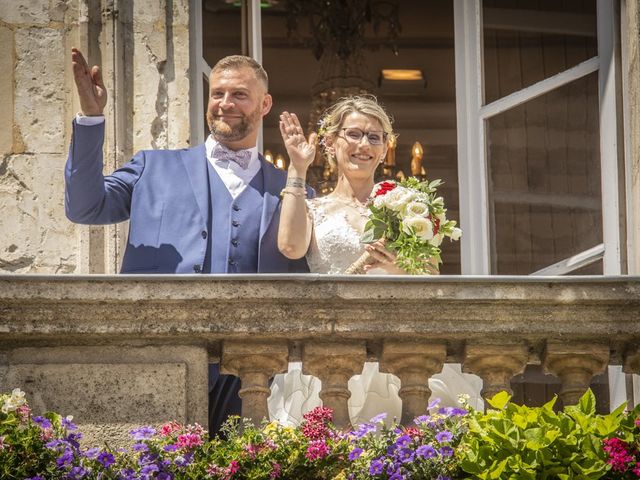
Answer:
(301, 193)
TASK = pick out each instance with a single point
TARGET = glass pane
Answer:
(544, 164)
(527, 41)
(422, 111)
(221, 29)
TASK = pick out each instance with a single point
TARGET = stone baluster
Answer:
(414, 363)
(632, 361)
(575, 364)
(255, 363)
(496, 364)
(334, 364)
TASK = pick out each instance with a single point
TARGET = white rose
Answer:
(397, 198)
(422, 227)
(456, 233)
(417, 209)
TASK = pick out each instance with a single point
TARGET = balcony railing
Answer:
(135, 349)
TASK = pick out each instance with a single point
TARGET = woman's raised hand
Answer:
(301, 150)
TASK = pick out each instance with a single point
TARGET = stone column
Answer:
(255, 363)
(496, 364)
(632, 362)
(414, 363)
(575, 364)
(334, 364)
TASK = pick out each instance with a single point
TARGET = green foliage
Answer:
(22, 444)
(519, 442)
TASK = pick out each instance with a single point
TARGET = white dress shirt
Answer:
(232, 175)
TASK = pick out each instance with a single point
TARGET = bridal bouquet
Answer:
(412, 219)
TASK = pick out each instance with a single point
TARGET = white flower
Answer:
(456, 233)
(417, 209)
(442, 217)
(422, 227)
(437, 240)
(16, 400)
(397, 198)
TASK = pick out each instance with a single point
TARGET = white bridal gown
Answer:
(335, 247)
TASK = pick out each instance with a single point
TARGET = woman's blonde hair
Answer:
(332, 118)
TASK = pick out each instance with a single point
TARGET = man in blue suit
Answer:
(213, 208)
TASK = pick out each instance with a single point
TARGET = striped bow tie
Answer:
(224, 154)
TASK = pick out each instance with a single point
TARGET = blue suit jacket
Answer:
(165, 195)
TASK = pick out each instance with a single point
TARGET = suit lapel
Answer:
(195, 162)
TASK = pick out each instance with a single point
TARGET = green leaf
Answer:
(499, 400)
(587, 403)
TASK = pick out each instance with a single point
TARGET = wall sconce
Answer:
(280, 162)
(268, 156)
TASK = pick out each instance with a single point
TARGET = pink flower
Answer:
(233, 467)
(23, 412)
(317, 449)
(315, 425)
(1, 443)
(619, 457)
(169, 428)
(189, 440)
(276, 470)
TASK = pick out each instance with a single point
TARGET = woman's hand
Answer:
(382, 258)
(301, 151)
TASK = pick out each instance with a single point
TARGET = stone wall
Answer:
(143, 48)
(631, 74)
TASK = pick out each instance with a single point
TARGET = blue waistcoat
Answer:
(234, 225)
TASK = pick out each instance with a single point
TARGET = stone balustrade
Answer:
(120, 350)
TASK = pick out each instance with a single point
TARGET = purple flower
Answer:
(183, 460)
(405, 455)
(378, 418)
(142, 433)
(68, 424)
(397, 476)
(76, 473)
(106, 459)
(376, 467)
(434, 403)
(164, 476)
(426, 451)
(149, 469)
(403, 441)
(66, 458)
(170, 448)
(355, 453)
(92, 453)
(55, 444)
(446, 451)
(443, 477)
(458, 412)
(364, 429)
(42, 422)
(140, 447)
(421, 419)
(37, 477)
(127, 474)
(444, 436)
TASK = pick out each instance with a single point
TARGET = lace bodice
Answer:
(336, 242)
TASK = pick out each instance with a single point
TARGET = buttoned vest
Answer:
(234, 226)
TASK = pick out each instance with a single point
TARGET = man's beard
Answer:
(230, 133)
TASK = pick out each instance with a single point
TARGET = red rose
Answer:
(385, 187)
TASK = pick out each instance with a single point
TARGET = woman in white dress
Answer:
(355, 133)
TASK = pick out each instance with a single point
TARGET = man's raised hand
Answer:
(91, 90)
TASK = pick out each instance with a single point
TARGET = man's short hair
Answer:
(235, 62)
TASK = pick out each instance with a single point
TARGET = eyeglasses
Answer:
(354, 135)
